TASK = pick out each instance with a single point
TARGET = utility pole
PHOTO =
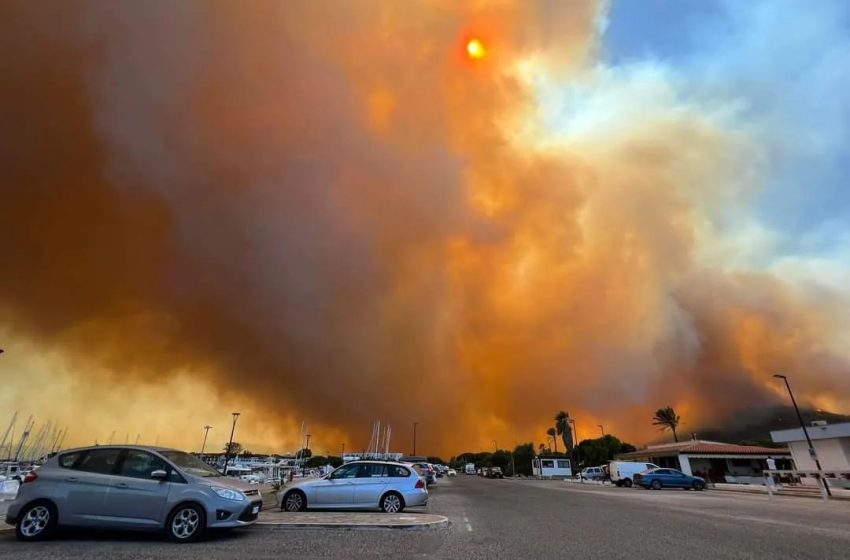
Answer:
(812, 453)
(601, 427)
(204, 444)
(495, 445)
(343, 451)
(414, 437)
(230, 444)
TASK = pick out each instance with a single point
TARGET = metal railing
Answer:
(791, 478)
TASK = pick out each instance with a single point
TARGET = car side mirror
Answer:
(159, 474)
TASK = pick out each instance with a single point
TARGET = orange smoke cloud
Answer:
(332, 214)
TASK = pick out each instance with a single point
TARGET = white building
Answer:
(831, 443)
(715, 461)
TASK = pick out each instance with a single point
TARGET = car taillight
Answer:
(420, 483)
(30, 477)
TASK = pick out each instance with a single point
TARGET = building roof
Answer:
(703, 448)
(828, 431)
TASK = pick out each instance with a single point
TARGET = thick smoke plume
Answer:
(325, 210)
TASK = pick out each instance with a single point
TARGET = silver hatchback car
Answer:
(130, 487)
(382, 485)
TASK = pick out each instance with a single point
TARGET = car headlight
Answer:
(229, 494)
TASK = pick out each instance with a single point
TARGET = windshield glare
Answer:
(190, 464)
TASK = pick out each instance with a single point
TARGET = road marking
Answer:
(466, 519)
(469, 527)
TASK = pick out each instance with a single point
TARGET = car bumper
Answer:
(416, 498)
(12, 513)
(236, 515)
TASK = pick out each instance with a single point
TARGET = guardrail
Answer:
(822, 479)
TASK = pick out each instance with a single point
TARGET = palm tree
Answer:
(551, 432)
(667, 419)
(562, 426)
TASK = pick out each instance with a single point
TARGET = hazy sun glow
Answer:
(475, 49)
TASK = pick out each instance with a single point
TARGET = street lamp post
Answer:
(601, 427)
(495, 445)
(414, 437)
(204, 445)
(343, 450)
(230, 444)
(307, 447)
(812, 453)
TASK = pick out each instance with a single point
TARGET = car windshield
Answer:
(190, 464)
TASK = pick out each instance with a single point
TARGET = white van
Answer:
(622, 472)
(470, 468)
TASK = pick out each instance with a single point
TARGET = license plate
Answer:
(256, 509)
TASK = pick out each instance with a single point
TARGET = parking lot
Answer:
(520, 519)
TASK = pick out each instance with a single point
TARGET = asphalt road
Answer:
(523, 519)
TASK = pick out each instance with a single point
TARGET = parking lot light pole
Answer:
(812, 453)
(495, 445)
(601, 427)
(204, 445)
(230, 444)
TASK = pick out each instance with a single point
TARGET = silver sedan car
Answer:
(130, 487)
(383, 485)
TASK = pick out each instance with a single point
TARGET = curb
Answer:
(779, 494)
(438, 523)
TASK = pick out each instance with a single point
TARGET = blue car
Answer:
(668, 478)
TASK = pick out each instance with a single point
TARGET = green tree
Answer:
(305, 453)
(553, 433)
(594, 452)
(562, 426)
(233, 449)
(667, 419)
(501, 459)
(523, 455)
(317, 461)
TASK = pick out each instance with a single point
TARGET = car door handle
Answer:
(121, 485)
(71, 479)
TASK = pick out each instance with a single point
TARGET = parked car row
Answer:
(491, 472)
(159, 489)
(646, 475)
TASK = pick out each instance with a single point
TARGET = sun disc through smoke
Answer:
(475, 49)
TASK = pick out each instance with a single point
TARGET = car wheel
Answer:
(392, 502)
(186, 523)
(294, 501)
(627, 483)
(698, 485)
(656, 485)
(37, 522)
(619, 483)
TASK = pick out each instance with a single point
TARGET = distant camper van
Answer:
(470, 468)
(551, 467)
